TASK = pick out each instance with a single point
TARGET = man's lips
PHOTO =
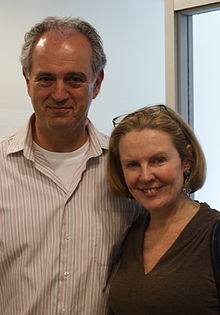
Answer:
(59, 109)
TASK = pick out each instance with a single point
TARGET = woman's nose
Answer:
(147, 173)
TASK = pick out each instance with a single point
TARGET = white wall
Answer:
(133, 35)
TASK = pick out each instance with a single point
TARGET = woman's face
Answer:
(152, 168)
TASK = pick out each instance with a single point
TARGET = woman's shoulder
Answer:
(207, 215)
(205, 207)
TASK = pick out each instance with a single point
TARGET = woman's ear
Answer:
(189, 149)
(187, 163)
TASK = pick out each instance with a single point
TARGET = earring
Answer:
(186, 187)
(130, 197)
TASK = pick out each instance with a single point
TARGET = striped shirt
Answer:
(57, 245)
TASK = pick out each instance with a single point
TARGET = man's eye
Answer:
(74, 80)
(45, 79)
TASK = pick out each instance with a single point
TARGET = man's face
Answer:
(61, 84)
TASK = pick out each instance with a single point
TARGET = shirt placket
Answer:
(65, 272)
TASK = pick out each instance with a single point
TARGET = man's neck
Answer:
(66, 141)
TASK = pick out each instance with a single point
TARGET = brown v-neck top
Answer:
(181, 283)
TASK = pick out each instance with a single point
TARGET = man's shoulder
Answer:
(98, 137)
(15, 141)
(6, 139)
(5, 143)
(2, 139)
(104, 139)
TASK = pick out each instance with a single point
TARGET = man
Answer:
(60, 226)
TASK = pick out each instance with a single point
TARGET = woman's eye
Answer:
(159, 160)
(132, 164)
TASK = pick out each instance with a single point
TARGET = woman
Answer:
(166, 265)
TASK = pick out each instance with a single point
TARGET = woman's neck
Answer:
(184, 211)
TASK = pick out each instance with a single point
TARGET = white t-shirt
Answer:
(64, 164)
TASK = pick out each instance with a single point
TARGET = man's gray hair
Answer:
(63, 26)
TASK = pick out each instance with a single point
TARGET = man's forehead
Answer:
(61, 38)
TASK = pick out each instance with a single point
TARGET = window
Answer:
(192, 69)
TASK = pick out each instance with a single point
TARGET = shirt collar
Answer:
(22, 140)
(98, 141)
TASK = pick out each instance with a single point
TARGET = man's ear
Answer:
(98, 83)
(27, 80)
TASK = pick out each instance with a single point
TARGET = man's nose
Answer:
(60, 93)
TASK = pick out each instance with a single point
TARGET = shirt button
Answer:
(66, 275)
(63, 311)
(67, 237)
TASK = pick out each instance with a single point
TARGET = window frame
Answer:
(178, 52)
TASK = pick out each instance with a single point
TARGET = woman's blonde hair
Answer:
(159, 117)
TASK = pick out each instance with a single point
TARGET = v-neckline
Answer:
(167, 252)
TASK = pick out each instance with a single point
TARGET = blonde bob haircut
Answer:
(159, 117)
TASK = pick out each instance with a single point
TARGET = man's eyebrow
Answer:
(41, 74)
(73, 73)
(80, 74)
